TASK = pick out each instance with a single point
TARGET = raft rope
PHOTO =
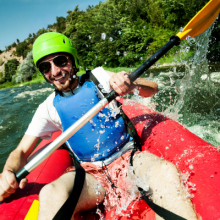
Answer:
(105, 170)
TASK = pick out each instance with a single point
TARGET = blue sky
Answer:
(18, 18)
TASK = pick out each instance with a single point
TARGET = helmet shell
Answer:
(53, 42)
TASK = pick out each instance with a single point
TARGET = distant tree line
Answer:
(125, 32)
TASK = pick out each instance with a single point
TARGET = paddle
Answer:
(197, 25)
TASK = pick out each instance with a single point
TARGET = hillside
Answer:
(8, 55)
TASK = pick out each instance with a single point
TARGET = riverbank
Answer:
(40, 79)
(159, 67)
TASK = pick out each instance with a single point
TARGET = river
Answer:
(189, 93)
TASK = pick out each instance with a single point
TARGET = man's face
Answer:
(60, 76)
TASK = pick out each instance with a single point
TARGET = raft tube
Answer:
(161, 136)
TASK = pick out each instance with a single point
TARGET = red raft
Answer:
(160, 136)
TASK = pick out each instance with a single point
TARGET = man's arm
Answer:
(16, 160)
(120, 82)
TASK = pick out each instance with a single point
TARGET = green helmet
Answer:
(53, 42)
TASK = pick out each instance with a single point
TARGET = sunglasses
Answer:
(59, 61)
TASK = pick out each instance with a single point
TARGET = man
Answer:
(102, 146)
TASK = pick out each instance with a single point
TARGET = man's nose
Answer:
(54, 69)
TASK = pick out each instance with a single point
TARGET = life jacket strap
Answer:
(164, 213)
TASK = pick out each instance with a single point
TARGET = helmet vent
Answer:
(64, 41)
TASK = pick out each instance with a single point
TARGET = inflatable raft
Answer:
(161, 136)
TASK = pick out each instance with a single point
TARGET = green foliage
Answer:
(61, 24)
(2, 80)
(130, 33)
(1, 61)
(22, 49)
(26, 70)
(10, 69)
(41, 31)
(7, 48)
(14, 44)
(1, 51)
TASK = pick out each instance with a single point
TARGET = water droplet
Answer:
(100, 86)
(187, 49)
(190, 167)
(111, 39)
(103, 36)
(188, 38)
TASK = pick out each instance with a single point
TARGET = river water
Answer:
(189, 93)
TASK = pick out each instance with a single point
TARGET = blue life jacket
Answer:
(100, 137)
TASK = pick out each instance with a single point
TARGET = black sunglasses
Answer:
(59, 61)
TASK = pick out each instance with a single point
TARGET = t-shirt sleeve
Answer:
(45, 121)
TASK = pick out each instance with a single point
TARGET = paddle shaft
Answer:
(91, 113)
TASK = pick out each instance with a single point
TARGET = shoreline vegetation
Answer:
(165, 62)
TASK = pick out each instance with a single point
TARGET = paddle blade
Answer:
(202, 20)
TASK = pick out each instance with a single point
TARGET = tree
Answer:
(22, 49)
(18, 41)
(30, 35)
(61, 24)
(2, 79)
(26, 69)
(49, 26)
(10, 69)
(14, 44)
(41, 31)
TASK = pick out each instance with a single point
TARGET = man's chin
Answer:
(63, 87)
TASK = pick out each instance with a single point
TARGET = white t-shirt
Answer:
(46, 120)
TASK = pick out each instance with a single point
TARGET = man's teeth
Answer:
(60, 77)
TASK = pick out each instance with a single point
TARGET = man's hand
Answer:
(121, 83)
(9, 184)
